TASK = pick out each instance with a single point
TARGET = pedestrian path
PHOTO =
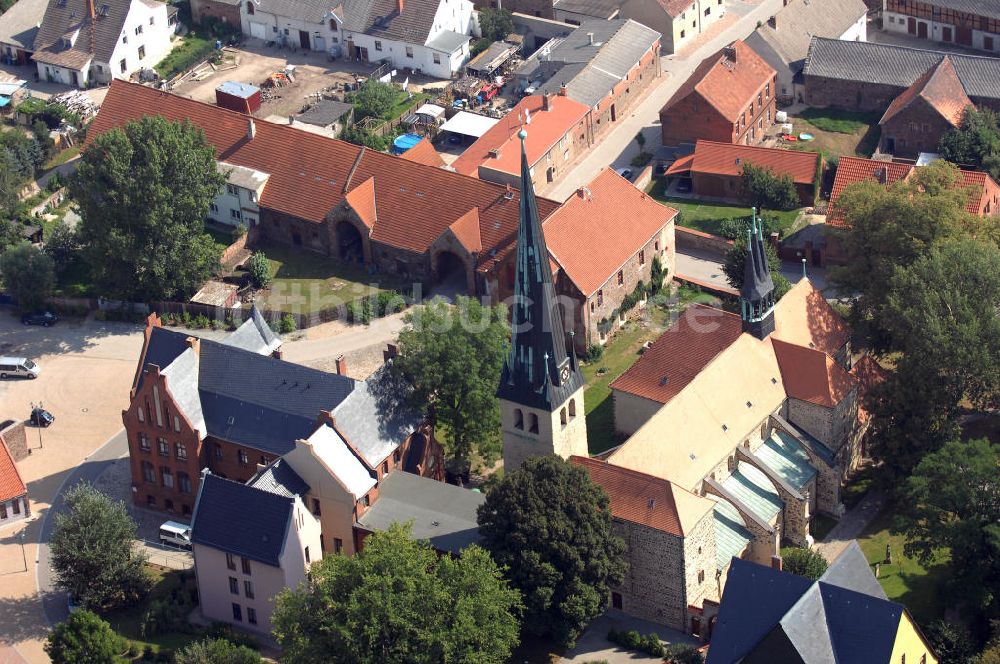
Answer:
(851, 525)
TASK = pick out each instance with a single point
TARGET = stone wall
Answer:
(814, 419)
(917, 128)
(631, 412)
(689, 238)
(849, 95)
(653, 588)
(699, 563)
(15, 437)
(618, 104)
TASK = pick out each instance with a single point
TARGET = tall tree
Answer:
(93, 553)
(953, 500)
(976, 142)
(452, 356)
(550, 526)
(496, 24)
(83, 639)
(763, 188)
(398, 602)
(804, 562)
(374, 99)
(735, 261)
(217, 651)
(144, 191)
(28, 274)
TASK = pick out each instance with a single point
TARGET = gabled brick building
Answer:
(970, 23)
(729, 98)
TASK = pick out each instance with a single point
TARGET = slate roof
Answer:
(309, 11)
(63, 19)
(800, 20)
(612, 238)
(213, 524)
(279, 477)
(19, 24)
(987, 8)
(254, 335)
(900, 66)
(940, 88)
(728, 159)
(726, 86)
(382, 18)
(851, 570)
(443, 514)
(11, 484)
(325, 112)
(311, 174)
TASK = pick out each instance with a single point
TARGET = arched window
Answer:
(562, 417)
(533, 428)
(518, 419)
(572, 408)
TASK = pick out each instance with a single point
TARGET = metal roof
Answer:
(469, 124)
(785, 456)
(182, 381)
(242, 90)
(603, 9)
(753, 488)
(443, 514)
(731, 534)
(448, 41)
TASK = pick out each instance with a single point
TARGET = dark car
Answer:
(684, 185)
(43, 318)
(41, 417)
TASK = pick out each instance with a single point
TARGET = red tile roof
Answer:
(812, 375)
(310, 174)
(940, 87)
(805, 318)
(362, 201)
(679, 355)
(591, 239)
(727, 86)
(728, 159)
(675, 7)
(424, 153)
(545, 130)
(11, 484)
(635, 496)
(466, 230)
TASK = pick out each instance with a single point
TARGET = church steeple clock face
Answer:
(564, 374)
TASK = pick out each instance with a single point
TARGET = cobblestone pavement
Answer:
(593, 645)
(851, 525)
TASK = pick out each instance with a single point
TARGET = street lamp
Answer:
(24, 558)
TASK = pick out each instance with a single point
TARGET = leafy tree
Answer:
(63, 245)
(374, 99)
(92, 551)
(496, 24)
(358, 136)
(763, 188)
(550, 526)
(953, 500)
(143, 192)
(217, 651)
(452, 357)
(735, 262)
(11, 181)
(397, 601)
(41, 132)
(259, 270)
(28, 274)
(804, 562)
(975, 142)
(83, 639)
(27, 153)
(951, 642)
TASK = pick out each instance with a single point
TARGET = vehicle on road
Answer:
(43, 318)
(18, 367)
(40, 417)
(625, 173)
(175, 534)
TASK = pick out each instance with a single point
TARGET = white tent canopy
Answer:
(469, 124)
(433, 110)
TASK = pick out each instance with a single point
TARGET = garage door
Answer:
(257, 30)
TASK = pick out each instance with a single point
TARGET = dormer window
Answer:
(104, 10)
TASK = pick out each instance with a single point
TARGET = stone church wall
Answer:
(815, 420)
(632, 411)
(699, 555)
(654, 585)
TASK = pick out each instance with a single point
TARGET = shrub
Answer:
(259, 270)
(201, 322)
(633, 640)
(656, 275)
(239, 231)
(765, 189)
(804, 562)
(230, 322)
(679, 653)
(594, 352)
(287, 324)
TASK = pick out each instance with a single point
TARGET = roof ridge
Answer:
(248, 486)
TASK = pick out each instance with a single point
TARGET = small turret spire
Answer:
(757, 293)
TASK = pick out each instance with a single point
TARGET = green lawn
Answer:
(707, 217)
(188, 52)
(167, 584)
(836, 132)
(920, 588)
(61, 158)
(222, 237)
(838, 121)
(820, 525)
(307, 282)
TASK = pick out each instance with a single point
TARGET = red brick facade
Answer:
(202, 9)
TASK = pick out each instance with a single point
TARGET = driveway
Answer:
(593, 644)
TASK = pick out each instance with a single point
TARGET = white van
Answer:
(18, 366)
(176, 534)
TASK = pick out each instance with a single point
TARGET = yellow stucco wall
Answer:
(911, 644)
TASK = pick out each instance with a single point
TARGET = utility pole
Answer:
(24, 558)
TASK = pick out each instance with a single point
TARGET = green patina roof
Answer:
(752, 488)
(731, 536)
(785, 456)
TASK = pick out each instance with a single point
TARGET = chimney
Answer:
(251, 129)
(194, 343)
(773, 22)
(546, 102)
(391, 351)
(276, 353)
(776, 563)
(341, 365)
(399, 6)
(90, 8)
(291, 119)
(729, 53)
(563, 92)
(590, 38)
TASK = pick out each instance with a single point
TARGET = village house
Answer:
(768, 615)
(729, 98)
(917, 119)
(14, 504)
(716, 169)
(783, 41)
(18, 29)
(970, 23)
(864, 76)
(560, 132)
(90, 42)
(679, 22)
(604, 65)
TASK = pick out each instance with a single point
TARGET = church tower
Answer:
(757, 294)
(541, 388)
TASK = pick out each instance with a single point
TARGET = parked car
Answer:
(684, 185)
(18, 366)
(43, 318)
(625, 173)
(41, 417)
(175, 534)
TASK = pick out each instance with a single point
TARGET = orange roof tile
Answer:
(11, 484)
(728, 159)
(545, 130)
(726, 86)
(309, 173)
(812, 375)
(424, 153)
(590, 237)
(362, 200)
(466, 230)
(940, 87)
(805, 318)
(680, 353)
(644, 499)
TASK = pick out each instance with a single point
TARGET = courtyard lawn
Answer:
(61, 157)
(707, 217)
(920, 588)
(171, 585)
(187, 52)
(836, 132)
(307, 282)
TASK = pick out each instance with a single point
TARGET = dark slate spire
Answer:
(757, 294)
(539, 372)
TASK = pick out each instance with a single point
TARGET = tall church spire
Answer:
(538, 372)
(757, 293)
